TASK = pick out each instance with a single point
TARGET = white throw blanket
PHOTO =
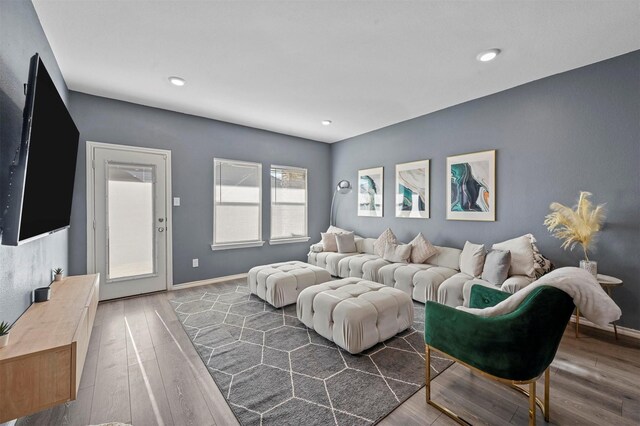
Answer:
(587, 295)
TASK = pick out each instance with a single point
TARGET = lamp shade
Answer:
(344, 187)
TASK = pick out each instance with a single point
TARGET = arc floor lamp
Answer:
(343, 187)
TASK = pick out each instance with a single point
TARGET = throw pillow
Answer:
(472, 259)
(496, 266)
(521, 255)
(397, 253)
(346, 243)
(329, 241)
(541, 264)
(385, 238)
(421, 249)
(335, 230)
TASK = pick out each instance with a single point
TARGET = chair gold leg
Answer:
(532, 403)
(547, 380)
(427, 361)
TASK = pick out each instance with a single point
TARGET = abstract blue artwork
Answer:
(471, 186)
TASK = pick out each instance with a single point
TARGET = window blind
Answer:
(237, 202)
(288, 203)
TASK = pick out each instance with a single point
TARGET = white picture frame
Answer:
(371, 192)
(412, 190)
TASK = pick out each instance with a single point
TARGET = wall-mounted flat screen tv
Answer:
(41, 180)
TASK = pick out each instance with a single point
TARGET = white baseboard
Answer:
(209, 281)
(624, 331)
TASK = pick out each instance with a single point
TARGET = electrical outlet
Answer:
(176, 201)
(195, 263)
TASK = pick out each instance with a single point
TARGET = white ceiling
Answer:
(285, 66)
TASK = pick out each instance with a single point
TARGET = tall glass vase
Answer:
(590, 266)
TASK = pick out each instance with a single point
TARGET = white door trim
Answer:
(90, 184)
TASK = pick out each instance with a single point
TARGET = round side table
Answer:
(608, 283)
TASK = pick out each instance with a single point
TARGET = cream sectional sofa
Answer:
(438, 279)
(420, 281)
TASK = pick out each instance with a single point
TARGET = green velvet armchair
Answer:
(516, 348)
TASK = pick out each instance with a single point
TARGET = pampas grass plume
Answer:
(577, 225)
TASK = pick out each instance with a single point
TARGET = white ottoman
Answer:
(280, 283)
(355, 314)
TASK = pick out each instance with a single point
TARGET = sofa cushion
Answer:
(328, 260)
(346, 242)
(496, 266)
(522, 262)
(397, 253)
(446, 257)
(450, 292)
(365, 245)
(472, 259)
(387, 237)
(421, 249)
(329, 241)
(363, 266)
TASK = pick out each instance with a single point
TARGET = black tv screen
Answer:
(42, 181)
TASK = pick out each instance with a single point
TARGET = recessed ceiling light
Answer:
(488, 55)
(326, 122)
(177, 81)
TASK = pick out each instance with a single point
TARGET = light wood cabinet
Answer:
(42, 365)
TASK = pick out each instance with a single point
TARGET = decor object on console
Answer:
(371, 192)
(280, 283)
(355, 314)
(412, 189)
(5, 328)
(41, 294)
(512, 349)
(343, 187)
(57, 273)
(471, 183)
(579, 225)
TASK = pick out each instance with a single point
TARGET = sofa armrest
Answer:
(485, 297)
(316, 248)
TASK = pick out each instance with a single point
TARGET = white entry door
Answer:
(130, 219)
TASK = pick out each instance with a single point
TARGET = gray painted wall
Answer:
(29, 266)
(194, 142)
(579, 130)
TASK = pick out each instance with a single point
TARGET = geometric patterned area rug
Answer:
(272, 370)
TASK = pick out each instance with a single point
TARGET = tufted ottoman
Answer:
(280, 283)
(355, 314)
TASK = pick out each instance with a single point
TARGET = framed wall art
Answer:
(412, 189)
(471, 186)
(370, 192)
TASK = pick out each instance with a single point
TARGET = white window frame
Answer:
(276, 241)
(244, 244)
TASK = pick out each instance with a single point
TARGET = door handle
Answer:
(160, 229)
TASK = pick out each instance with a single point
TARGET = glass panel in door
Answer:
(130, 221)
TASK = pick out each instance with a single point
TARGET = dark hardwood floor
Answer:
(142, 369)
